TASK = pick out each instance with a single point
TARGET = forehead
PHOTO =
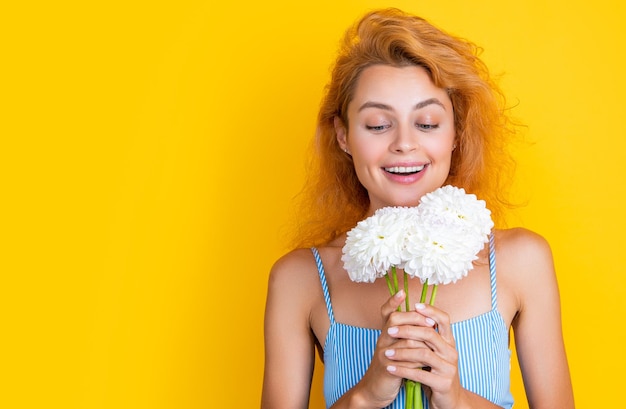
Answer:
(396, 86)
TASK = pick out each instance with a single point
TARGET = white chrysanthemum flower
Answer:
(375, 244)
(453, 228)
(436, 242)
(451, 205)
(437, 254)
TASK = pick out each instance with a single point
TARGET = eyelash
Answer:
(427, 127)
(376, 128)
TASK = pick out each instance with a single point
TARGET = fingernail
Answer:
(390, 352)
(400, 294)
(430, 322)
(392, 330)
(420, 306)
(391, 368)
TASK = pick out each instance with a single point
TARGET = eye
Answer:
(376, 128)
(427, 127)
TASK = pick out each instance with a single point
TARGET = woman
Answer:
(408, 109)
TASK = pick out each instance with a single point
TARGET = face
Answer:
(400, 134)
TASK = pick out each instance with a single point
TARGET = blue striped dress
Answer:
(482, 343)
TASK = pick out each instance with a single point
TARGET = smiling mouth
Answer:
(405, 170)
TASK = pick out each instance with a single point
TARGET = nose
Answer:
(404, 140)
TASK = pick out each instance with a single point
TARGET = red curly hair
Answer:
(333, 199)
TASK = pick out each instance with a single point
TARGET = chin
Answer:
(411, 203)
(408, 202)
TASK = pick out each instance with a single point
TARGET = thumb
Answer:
(392, 304)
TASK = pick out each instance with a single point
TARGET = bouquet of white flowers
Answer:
(436, 242)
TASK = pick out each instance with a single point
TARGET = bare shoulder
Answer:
(293, 268)
(294, 279)
(525, 267)
(522, 249)
(519, 238)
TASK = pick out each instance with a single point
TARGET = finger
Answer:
(420, 355)
(412, 330)
(392, 304)
(410, 357)
(387, 311)
(425, 377)
(421, 365)
(441, 319)
(410, 318)
(430, 350)
(411, 364)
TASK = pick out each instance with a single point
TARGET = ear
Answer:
(341, 132)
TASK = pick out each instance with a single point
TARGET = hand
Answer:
(424, 340)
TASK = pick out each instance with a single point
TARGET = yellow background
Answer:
(150, 152)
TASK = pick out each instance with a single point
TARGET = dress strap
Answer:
(492, 272)
(322, 274)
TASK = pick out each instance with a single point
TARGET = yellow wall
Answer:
(150, 151)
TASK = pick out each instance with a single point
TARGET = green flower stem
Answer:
(395, 279)
(413, 395)
(396, 287)
(389, 285)
(406, 292)
(417, 398)
(433, 295)
(424, 291)
(410, 394)
(393, 285)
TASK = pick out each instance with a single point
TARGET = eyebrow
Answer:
(386, 107)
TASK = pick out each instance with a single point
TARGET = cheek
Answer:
(363, 157)
(440, 149)
(441, 142)
(365, 149)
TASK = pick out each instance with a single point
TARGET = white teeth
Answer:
(404, 169)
